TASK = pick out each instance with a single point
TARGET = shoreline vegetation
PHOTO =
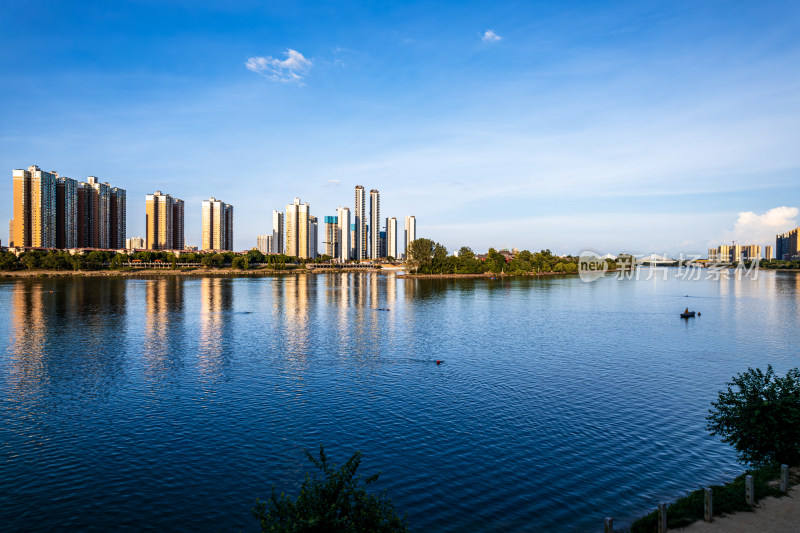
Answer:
(425, 258)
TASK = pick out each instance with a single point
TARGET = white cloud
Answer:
(751, 228)
(291, 70)
(489, 36)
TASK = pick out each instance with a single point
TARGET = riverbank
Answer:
(489, 275)
(776, 515)
(686, 513)
(204, 272)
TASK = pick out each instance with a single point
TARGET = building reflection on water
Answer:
(216, 308)
(163, 326)
(60, 335)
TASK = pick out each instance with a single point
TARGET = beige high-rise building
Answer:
(163, 222)
(768, 255)
(298, 230)
(34, 222)
(410, 233)
(345, 240)
(391, 237)
(217, 225)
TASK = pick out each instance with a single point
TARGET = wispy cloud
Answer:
(489, 36)
(333, 183)
(290, 70)
(752, 228)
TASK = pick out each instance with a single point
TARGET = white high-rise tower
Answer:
(345, 243)
(360, 221)
(410, 232)
(391, 237)
(374, 224)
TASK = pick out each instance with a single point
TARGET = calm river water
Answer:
(171, 404)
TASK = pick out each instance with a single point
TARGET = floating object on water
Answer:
(687, 314)
(439, 361)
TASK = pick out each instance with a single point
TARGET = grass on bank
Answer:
(727, 499)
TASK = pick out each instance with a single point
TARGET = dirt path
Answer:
(772, 515)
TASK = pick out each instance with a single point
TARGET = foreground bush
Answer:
(759, 415)
(335, 502)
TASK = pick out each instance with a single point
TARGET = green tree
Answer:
(31, 259)
(465, 252)
(336, 502)
(255, 256)
(8, 261)
(759, 415)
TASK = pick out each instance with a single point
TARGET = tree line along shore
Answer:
(425, 258)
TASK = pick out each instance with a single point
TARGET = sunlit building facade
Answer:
(217, 225)
(410, 233)
(298, 230)
(163, 222)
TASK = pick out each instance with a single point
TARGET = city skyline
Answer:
(665, 127)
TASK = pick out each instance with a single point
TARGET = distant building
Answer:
(360, 219)
(163, 222)
(344, 234)
(277, 233)
(331, 241)
(134, 243)
(298, 230)
(312, 231)
(375, 224)
(217, 225)
(382, 244)
(768, 253)
(410, 233)
(786, 245)
(391, 237)
(264, 244)
(739, 253)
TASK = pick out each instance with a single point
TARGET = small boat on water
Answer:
(687, 314)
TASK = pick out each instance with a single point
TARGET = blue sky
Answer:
(637, 126)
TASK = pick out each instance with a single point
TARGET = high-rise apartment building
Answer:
(410, 233)
(163, 222)
(360, 220)
(298, 231)
(264, 244)
(344, 236)
(313, 232)
(277, 233)
(34, 222)
(101, 211)
(786, 245)
(117, 219)
(391, 237)
(375, 224)
(331, 241)
(177, 224)
(51, 211)
(134, 243)
(66, 213)
(768, 253)
(217, 225)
